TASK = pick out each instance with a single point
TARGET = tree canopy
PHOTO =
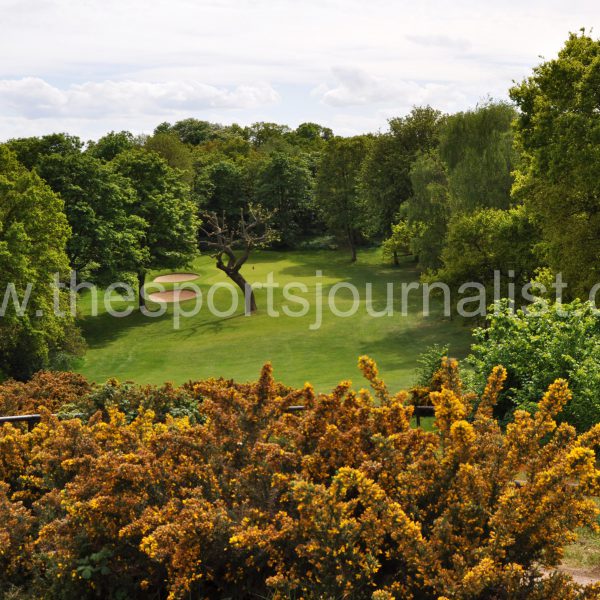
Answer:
(558, 132)
(337, 189)
(163, 203)
(33, 235)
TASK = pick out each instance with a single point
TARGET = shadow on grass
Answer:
(417, 339)
(104, 328)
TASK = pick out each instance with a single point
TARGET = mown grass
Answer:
(151, 350)
(585, 552)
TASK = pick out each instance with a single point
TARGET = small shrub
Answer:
(537, 347)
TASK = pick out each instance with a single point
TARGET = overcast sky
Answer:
(91, 66)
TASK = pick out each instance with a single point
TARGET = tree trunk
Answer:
(396, 261)
(141, 296)
(247, 291)
(351, 244)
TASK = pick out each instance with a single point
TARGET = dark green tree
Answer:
(30, 150)
(385, 177)
(222, 187)
(163, 202)
(191, 131)
(337, 189)
(107, 241)
(284, 186)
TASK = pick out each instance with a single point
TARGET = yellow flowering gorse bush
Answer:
(343, 499)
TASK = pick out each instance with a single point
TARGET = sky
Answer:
(91, 66)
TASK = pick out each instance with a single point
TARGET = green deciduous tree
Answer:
(477, 149)
(559, 179)
(163, 202)
(112, 144)
(385, 176)
(540, 346)
(263, 133)
(191, 131)
(312, 134)
(33, 235)
(30, 150)
(283, 186)
(427, 210)
(107, 241)
(337, 189)
(177, 154)
(399, 242)
(485, 241)
(222, 187)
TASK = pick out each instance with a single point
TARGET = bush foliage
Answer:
(538, 346)
(343, 499)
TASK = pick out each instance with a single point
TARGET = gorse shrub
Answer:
(50, 389)
(340, 500)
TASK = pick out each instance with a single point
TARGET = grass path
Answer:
(150, 350)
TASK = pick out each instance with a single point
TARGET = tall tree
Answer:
(112, 144)
(284, 186)
(107, 241)
(177, 154)
(488, 240)
(311, 135)
(337, 189)
(30, 150)
(163, 202)
(262, 132)
(385, 176)
(191, 131)
(222, 187)
(558, 131)
(427, 210)
(33, 235)
(477, 149)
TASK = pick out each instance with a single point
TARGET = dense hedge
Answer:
(341, 500)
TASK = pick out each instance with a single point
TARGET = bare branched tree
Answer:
(231, 245)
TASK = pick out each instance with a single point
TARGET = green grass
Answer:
(150, 350)
(584, 554)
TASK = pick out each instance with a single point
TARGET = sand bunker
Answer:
(172, 296)
(175, 277)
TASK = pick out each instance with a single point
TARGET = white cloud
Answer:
(441, 41)
(354, 87)
(34, 98)
(96, 65)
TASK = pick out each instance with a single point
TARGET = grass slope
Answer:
(150, 350)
